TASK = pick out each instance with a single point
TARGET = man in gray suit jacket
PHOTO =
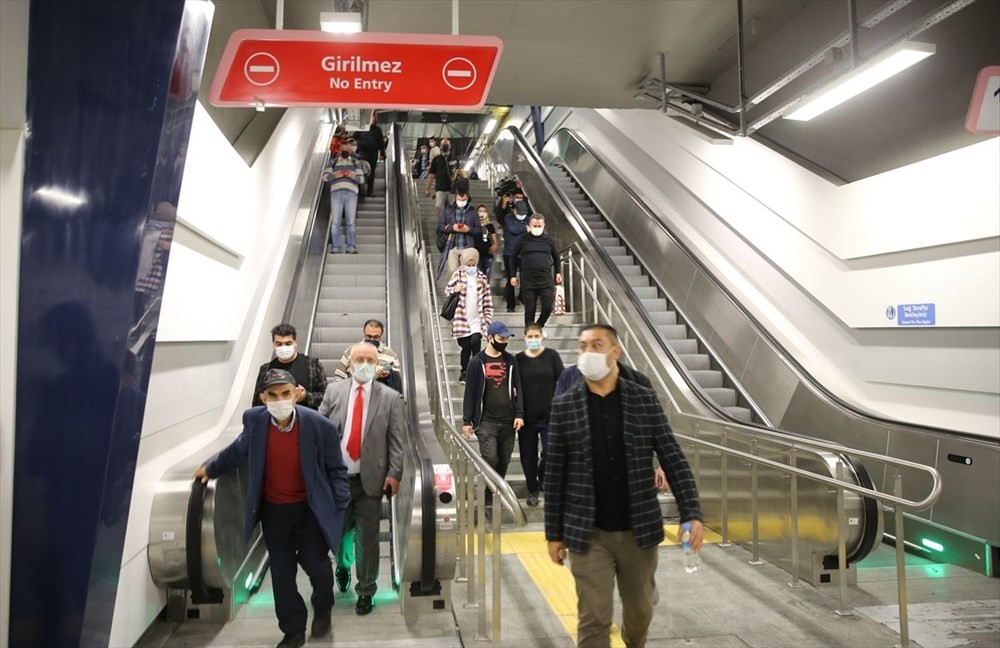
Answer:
(369, 416)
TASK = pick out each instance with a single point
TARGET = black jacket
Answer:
(475, 389)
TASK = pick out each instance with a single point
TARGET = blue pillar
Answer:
(536, 122)
(111, 91)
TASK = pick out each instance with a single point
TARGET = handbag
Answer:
(450, 306)
(442, 240)
(560, 305)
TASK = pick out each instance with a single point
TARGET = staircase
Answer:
(700, 365)
(562, 334)
(353, 291)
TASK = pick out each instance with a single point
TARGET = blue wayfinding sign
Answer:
(912, 314)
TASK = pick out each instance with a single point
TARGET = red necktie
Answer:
(354, 441)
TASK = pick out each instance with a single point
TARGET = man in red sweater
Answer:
(298, 490)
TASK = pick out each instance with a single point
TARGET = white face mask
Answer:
(363, 372)
(593, 365)
(461, 203)
(280, 409)
(537, 231)
(284, 352)
(520, 217)
(471, 269)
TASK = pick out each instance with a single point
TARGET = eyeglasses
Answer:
(373, 338)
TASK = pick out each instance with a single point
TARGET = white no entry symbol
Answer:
(261, 69)
(459, 73)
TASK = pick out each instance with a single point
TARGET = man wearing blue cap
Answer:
(493, 407)
(298, 490)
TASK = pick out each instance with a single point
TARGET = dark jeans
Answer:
(363, 515)
(373, 161)
(470, 345)
(530, 295)
(508, 291)
(527, 443)
(496, 445)
(293, 536)
(486, 265)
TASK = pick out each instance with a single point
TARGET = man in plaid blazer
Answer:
(600, 503)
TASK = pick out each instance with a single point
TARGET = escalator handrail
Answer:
(760, 328)
(395, 214)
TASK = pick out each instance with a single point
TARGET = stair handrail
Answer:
(471, 472)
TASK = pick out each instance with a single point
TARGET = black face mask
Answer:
(374, 343)
(345, 154)
(499, 346)
(446, 150)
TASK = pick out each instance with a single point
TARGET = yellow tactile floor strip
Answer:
(556, 583)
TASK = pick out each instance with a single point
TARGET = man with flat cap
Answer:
(298, 490)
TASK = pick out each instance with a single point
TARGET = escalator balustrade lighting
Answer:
(930, 544)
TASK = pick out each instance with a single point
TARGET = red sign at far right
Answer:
(984, 111)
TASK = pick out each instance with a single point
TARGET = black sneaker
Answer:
(321, 625)
(343, 579)
(533, 499)
(461, 377)
(293, 640)
(365, 605)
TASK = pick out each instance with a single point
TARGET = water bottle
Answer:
(690, 557)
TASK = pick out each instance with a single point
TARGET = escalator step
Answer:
(331, 352)
(646, 293)
(696, 361)
(637, 280)
(659, 305)
(663, 319)
(723, 396)
(345, 304)
(740, 413)
(708, 379)
(629, 270)
(345, 293)
(332, 281)
(673, 331)
(684, 346)
(333, 322)
(329, 318)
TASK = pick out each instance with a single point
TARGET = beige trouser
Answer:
(453, 260)
(613, 554)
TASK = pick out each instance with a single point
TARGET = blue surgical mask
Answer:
(471, 269)
(534, 345)
(363, 372)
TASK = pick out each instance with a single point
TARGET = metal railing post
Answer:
(904, 619)
(471, 537)
(753, 506)
(481, 560)
(461, 574)
(792, 461)
(844, 609)
(495, 597)
(725, 496)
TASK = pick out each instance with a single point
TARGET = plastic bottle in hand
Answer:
(690, 557)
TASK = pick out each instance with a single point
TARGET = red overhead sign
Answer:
(314, 68)
(983, 117)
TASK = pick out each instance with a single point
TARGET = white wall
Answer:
(819, 263)
(13, 91)
(225, 282)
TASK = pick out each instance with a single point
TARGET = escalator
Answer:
(196, 549)
(702, 367)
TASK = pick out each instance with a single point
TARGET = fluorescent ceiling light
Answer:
(490, 127)
(340, 22)
(883, 66)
